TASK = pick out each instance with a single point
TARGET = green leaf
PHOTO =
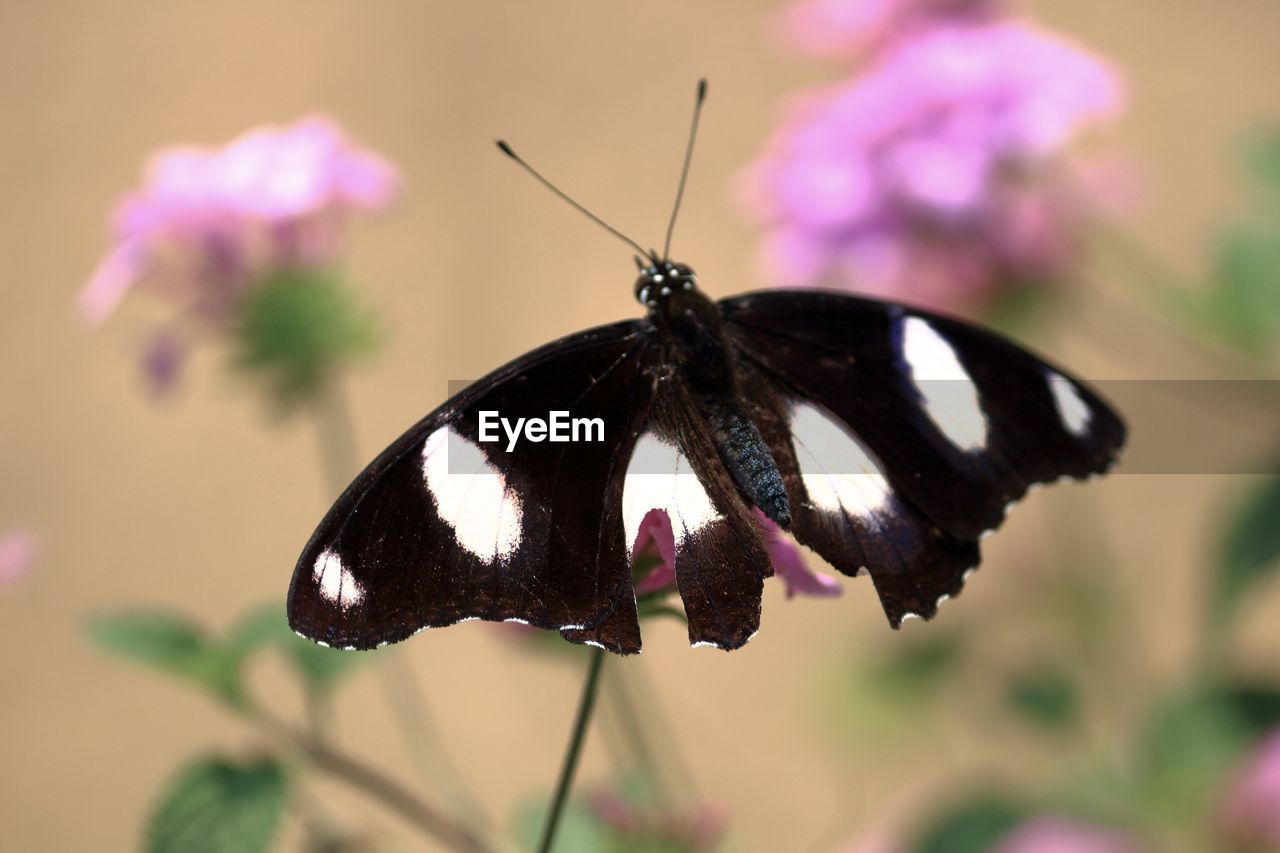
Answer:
(918, 667)
(1195, 737)
(971, 827)
(1250, 550)
(1244, 304)
(1046, 697)
(297, 329)
(1264, 159)
(170, 643)
(267, 627)
(219, 806)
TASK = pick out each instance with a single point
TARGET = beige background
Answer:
(203, 503)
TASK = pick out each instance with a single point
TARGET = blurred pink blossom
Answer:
(696, 829)
(1251, 812)
(845, 27)
(655, 537)
(936, 174)
(1061, 835)
(19, 551)
(208, 223)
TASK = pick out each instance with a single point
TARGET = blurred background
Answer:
(192, 493)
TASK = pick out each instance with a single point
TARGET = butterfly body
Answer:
(888, 440)
(693, 334)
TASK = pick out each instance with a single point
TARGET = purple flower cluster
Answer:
(637, 827)
(931, 175)
(1251, 813)
(1060, 835)
(842, 27)
(207, 224)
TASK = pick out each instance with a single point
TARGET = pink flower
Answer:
(655, 535)
(1251, 811)
(19, 551)
(933, 174)
(1061, 835)
(696, 829)
(844, 27)
(210, 223)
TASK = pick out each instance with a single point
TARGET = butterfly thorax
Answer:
(693, 333)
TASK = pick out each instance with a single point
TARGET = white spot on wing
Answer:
(837, 471)
(337, 586)
(660, 477)
(1073, 411)
(471, 496)
(950, 398)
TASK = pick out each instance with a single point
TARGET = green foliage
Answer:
(578, 832)
(297, 329)
(170, 643)
(1195, 737)
(218, 805)
(1046, 697)
(1243, 306)
(318, 667)
(1264, 161)
(970, 827)
(640, 825)
(917, 668)
(1250, 549)
(174, 644)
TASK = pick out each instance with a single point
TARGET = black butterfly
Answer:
(885, 438)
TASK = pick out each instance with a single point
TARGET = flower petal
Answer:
(117, 272)
(19, 551)
(789, 566)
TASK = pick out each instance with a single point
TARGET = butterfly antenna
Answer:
(506, 149)
(688, 158)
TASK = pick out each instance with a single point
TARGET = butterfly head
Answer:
(661, 279)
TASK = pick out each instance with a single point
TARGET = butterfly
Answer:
(887, 439)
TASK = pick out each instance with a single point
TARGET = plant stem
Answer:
(336, 429)
(426, 749)
(618, 696)
(576, 739)
(378, 786)
(671, 755)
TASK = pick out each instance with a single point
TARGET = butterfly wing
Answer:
(904, 436)
(443, 527)
(720, 558)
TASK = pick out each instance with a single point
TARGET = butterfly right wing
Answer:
(903, 436)
(964, 420)
(443, 527)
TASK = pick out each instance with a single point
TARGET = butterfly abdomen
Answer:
(750, 464)
(693, 324)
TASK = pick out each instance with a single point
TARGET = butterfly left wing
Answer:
(443, 527)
